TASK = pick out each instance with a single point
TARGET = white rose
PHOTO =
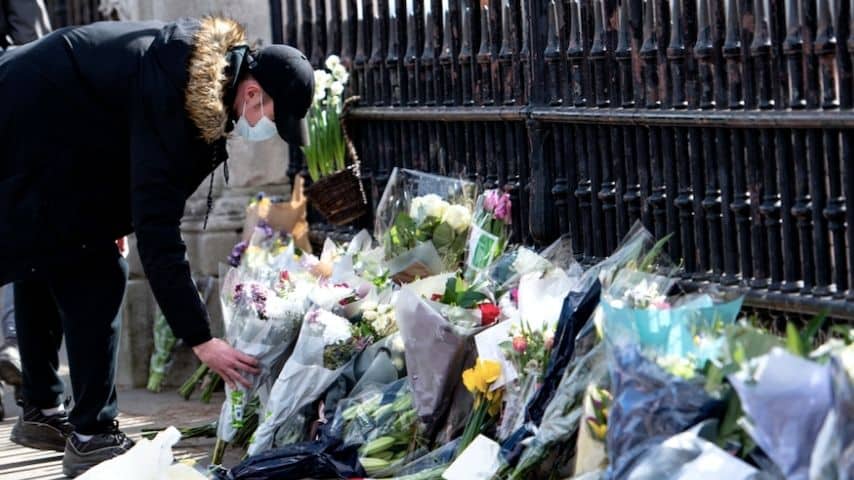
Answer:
(369, 315)
(416, 209)
(434, 206)
(369, 305)
(337, 88)
(458, 217)
(333, 62)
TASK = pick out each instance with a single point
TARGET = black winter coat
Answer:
(105, 130)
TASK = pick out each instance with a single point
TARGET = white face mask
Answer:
(263, 130)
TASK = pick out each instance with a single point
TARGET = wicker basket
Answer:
(340, 197)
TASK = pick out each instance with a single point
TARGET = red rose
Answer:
(488, 313)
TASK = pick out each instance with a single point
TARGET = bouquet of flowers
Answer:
(325, 153)
(260, 322)
(423, 222)
(383, 423)
(437, 318)
(326, 344)
(489, 232)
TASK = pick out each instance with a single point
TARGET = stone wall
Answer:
(253, 167)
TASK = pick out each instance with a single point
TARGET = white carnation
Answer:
(335, 329)
(458, 217)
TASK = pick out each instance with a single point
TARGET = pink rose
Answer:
(549, 342)
(520, 344)
(503, 209)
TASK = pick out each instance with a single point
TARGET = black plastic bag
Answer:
(650, 405)
(302, 460)
(578, 306)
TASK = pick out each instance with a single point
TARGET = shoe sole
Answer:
(75, 464)
(10, 374)
(36, 435)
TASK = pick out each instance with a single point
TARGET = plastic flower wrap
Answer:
(327, 343)
(489, 232)
(423, 222)
(437, 337)
(786, 400)
(384, 424)
(261, 322)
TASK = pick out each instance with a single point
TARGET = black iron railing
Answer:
(726, 122)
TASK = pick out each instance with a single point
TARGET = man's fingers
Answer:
(247, 359)
(246, 367)
(238, 378)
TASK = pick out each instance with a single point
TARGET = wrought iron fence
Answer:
(725, 122)
(64, 13)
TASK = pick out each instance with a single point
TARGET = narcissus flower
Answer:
(478, 378)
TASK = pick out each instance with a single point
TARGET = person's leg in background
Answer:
(10, 358)
(90, 297)
(43, 423)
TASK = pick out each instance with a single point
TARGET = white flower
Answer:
(430, 205)
(322, 81)
(335, 329)
(458, 217)
(384, 324)
(337, 88)
(340, 73)
(369, 305)
(332, 62)
(369, 315)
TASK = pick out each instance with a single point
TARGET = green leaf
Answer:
(651, 256)
(794, 342)
(443, 235)
(450, 295)
(471, 299)
(812, 329)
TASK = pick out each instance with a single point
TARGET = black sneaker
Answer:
(82, 455)
(42, 432)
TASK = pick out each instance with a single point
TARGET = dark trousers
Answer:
(82, 299)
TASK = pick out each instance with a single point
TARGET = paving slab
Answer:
(139, 409)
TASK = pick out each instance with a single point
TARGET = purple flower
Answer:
(490, 200)
(239, 293)
(503, 210)
(237, 254)
(264, 229)
(259, 300)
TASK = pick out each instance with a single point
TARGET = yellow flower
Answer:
(597, 430)
(478, 378)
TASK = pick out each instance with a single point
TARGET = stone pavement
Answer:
(139, 409)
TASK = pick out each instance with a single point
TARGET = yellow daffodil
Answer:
(478, 378)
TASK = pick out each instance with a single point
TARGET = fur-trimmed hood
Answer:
(206, 88)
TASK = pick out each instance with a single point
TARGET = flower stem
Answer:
(192, 383)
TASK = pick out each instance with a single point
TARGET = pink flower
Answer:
(490, 200)
(520, 344)
(549, 342)
(514, 296)
(503, 209)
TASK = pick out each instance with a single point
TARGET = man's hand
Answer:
(228, 362)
